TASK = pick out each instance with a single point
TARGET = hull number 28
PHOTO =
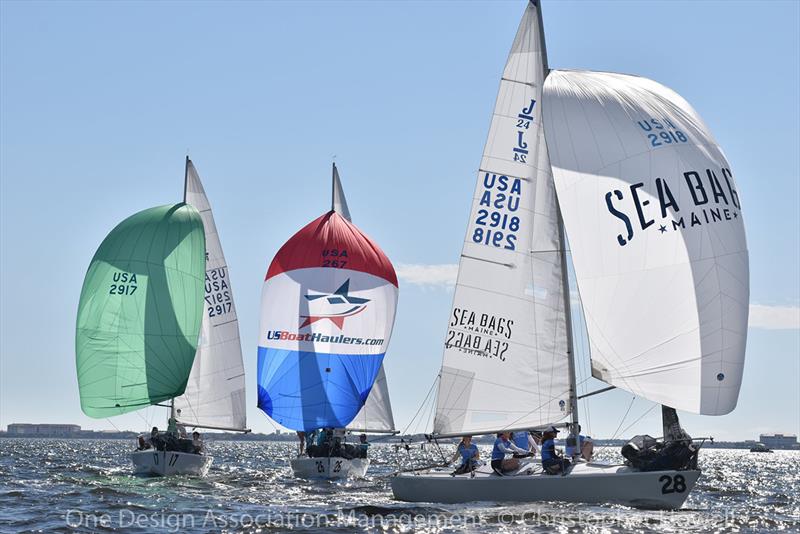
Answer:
(676, 484)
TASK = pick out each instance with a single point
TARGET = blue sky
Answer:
(99, 103)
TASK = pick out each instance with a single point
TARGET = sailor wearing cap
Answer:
(552, 462)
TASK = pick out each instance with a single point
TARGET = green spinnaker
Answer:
(140, 311)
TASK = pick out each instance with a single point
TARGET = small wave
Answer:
(109, 492)
(376, 510)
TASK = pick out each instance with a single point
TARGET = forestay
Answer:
(140, 311)
(215, 392)
(654, 221)
(505, 363)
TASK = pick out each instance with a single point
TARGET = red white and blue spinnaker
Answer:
(327, 312)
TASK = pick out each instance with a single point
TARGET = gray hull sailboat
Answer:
(628, 170)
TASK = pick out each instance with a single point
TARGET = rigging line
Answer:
(271, 422)
(427, 409)
(191, 408)
(614, 436)
(112, 424)
(146, 422)
(435, 380)
(512, 423)
(640, 418)
(430, 414)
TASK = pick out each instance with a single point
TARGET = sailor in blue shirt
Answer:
(503, 446)
(583, 448)
(552, 462)
(470, 456)
(524, 440)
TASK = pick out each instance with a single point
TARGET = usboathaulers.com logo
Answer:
(711, 199)
(336, 307)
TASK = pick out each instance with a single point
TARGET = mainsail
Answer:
(505, 363)
(376, 414)
(328, 308)
(140, 311)
(215, 392)
(655, 225)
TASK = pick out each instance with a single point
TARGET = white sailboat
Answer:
(318, 375)
(628, 169)
(375, 417)
(215, 391)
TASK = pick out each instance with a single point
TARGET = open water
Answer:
(87, 486)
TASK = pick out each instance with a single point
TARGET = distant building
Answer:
(779, 441)
(55, 431)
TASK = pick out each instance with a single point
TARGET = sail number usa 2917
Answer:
(218, 292)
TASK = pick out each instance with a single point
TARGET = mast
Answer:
(338, 200)
(573, 388)
(185, 178)
(333, 186)
(172, 412)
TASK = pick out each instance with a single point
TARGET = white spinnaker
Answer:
(658, 243)
(215, 392)
(376, 414)
(505, 363)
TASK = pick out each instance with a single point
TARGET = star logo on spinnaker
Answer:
(336, 306)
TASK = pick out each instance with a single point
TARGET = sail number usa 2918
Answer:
(497, 220)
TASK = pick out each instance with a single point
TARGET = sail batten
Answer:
(215, 391)
(505, 362)
(654, 218)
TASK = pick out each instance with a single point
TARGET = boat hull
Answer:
(329, 467)
(586, 483)
(164, 463)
